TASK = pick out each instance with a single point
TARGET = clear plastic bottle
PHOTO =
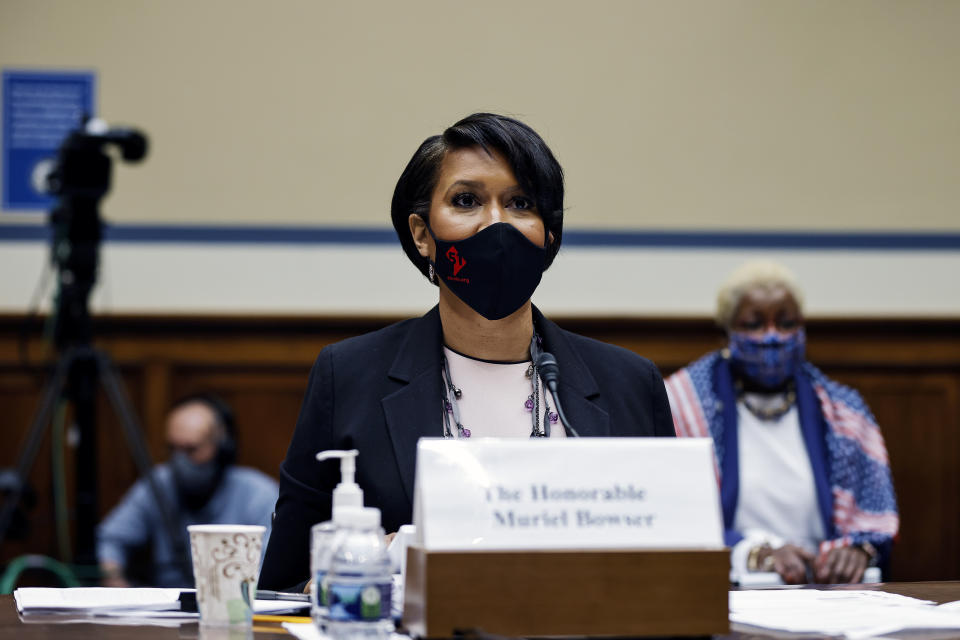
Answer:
(359, 584)
(325, 536)
(321, 551)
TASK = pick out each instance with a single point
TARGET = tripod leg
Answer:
(128, 420)
(40, 423)
(82, 392)
(116, 393)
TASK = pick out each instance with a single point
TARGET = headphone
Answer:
(223, 413)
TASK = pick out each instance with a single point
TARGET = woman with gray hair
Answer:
(805, 483)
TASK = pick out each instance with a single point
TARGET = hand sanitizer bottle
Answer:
(324, 536)
(360, 582)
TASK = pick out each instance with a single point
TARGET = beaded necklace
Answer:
(452, 393)
(773, 410)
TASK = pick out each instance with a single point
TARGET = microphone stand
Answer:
(550, 372)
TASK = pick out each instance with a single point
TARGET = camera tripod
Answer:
(75, 377)
(81, 177)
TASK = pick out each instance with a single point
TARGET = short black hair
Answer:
(537, 171)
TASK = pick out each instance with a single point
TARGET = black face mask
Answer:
(493, 271)
(195, 483)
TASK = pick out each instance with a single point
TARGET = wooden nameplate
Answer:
(567, 592)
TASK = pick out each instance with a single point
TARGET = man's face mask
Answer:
(494, 271)
(769, 359)
(195, 482)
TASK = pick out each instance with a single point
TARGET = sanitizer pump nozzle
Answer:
(348, 493)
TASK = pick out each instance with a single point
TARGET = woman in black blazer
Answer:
(479, 211)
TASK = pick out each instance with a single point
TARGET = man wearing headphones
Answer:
(199, 483)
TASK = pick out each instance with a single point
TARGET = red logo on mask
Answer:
(454, 257)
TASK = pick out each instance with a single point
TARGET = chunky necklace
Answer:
(771, 411)
(452, 394)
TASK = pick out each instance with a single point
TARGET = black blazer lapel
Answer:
(577, 388)
(413, 410)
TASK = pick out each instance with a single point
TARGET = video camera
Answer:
(80, 177)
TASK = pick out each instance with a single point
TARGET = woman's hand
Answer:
(790, 561)
(841, 564)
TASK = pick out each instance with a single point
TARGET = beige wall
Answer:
(691, 114)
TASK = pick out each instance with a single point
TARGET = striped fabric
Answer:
(864, 508)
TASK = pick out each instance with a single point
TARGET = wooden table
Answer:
(68, 627)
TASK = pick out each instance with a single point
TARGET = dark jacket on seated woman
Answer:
(379, 393)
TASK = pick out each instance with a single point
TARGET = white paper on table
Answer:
(309, 631)
(844, 613)
(278, 606)
(129, 603)
(93, 599)
(304, 631)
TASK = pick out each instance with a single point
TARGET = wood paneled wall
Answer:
(908, 371)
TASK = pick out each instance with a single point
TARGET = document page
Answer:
(843, 614)
(41, 599)
(106, 601)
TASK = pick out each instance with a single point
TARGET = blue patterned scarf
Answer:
(850, 465)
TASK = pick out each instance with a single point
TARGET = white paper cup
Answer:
(226, 560)
(406, 535)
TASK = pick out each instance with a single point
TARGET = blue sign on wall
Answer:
(39, 109)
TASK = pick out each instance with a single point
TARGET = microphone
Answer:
(550, 372)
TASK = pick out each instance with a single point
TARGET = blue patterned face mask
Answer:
(769, 359)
